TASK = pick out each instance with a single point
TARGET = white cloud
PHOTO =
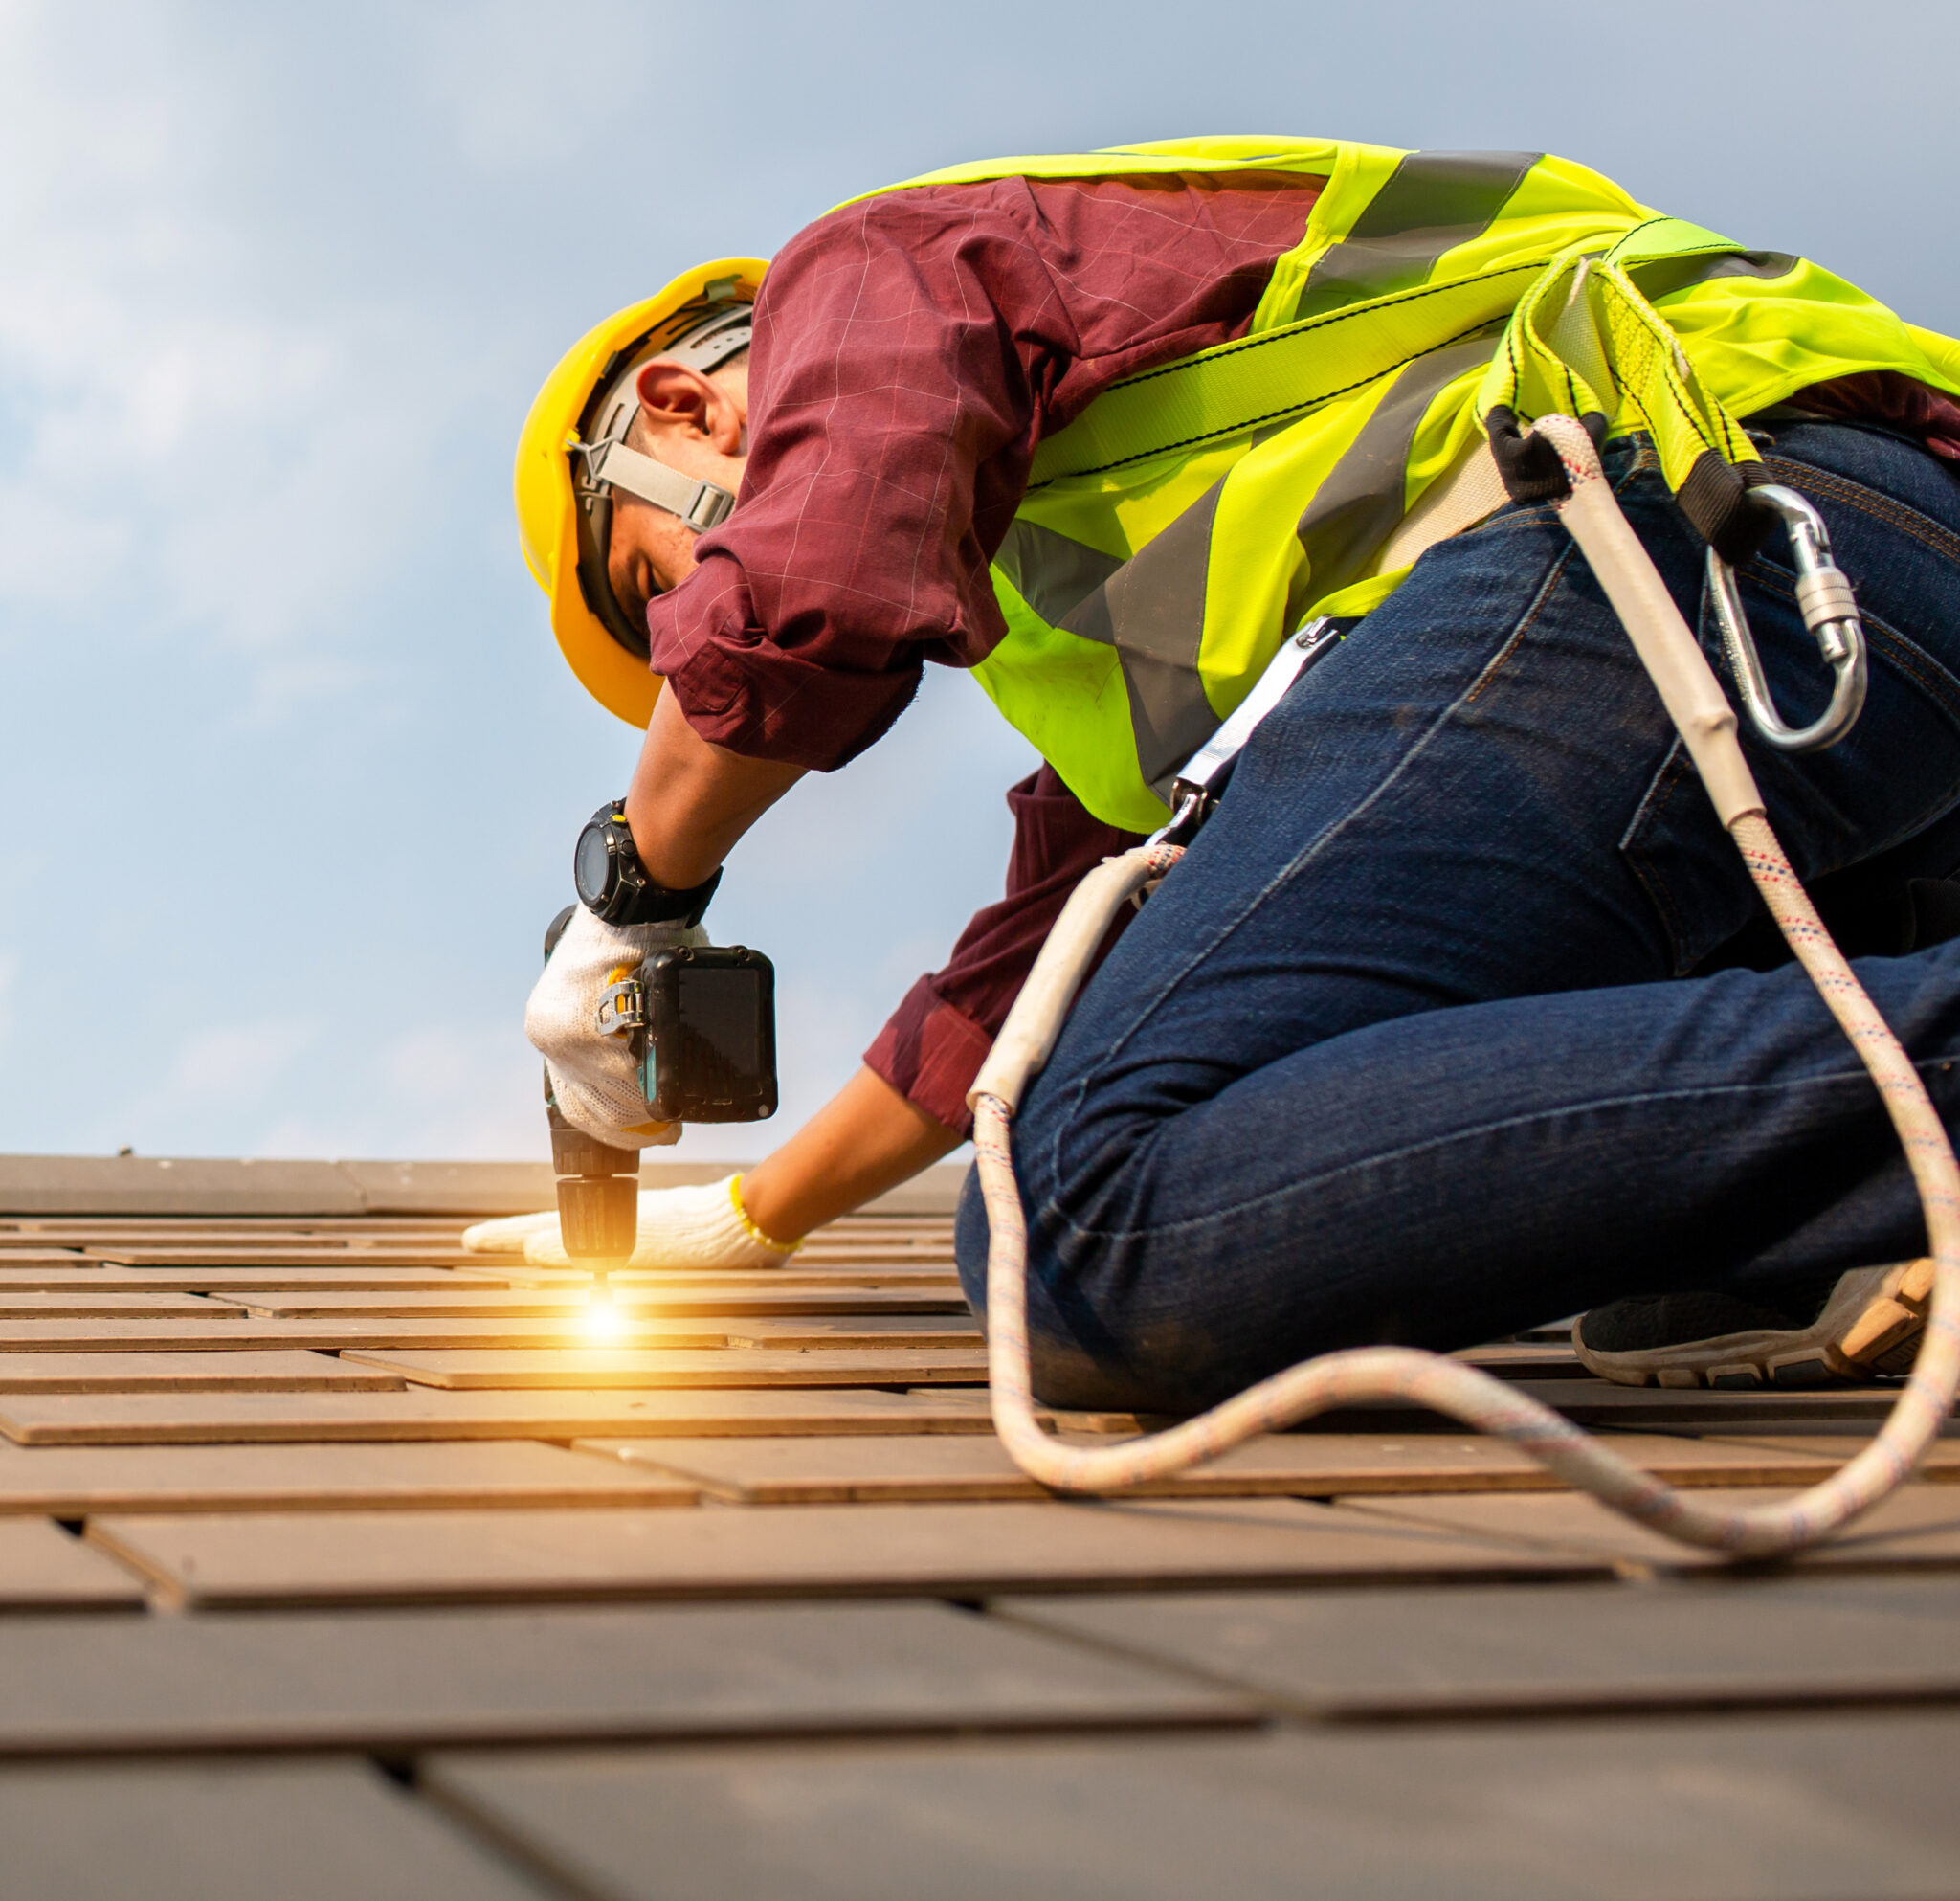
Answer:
(237, 1064)
(306, 1138)
(523, 86)
(461, 1091)
(205, 426)
(280, 687)
(217, 1078)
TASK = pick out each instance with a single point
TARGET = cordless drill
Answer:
(702, 1024)
(598, 1185)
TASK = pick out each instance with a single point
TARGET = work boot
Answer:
(1857, 1327)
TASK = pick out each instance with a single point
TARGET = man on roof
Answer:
(1446, 1023)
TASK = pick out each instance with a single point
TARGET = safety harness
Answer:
(1583, 350)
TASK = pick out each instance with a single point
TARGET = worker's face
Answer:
(693, 423)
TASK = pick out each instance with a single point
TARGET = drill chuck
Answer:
(598, 1185)
(575, 1152)
(598, 1216)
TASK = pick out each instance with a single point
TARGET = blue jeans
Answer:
(1409, 1047)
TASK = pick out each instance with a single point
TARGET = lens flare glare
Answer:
(604, 1319)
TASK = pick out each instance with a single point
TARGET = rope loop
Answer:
(1932, 1288)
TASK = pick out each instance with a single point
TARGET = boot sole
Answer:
(1869, 1327)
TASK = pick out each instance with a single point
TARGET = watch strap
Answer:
(655, 904)
(631, 896)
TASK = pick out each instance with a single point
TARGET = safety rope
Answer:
(1708, 724)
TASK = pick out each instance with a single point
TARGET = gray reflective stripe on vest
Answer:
(1151, 607)
(1431, 203)
(1662, 276)
(1360, 504)
(1053, 573)
(1271, 377)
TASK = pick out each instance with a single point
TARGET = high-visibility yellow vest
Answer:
(1196, 515)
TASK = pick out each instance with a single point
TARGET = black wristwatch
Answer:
(613, 884)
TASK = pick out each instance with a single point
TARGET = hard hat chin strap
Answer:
(701, 505)
(609, 465)
(603, 466)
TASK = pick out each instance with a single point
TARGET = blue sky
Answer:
(291, 769)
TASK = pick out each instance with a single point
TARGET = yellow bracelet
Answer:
(749, 1228)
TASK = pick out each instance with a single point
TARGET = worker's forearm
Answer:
(867, 1138)
(690, 801)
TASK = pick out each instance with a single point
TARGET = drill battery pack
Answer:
(706, 1039)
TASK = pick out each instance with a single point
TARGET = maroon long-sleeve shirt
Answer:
(911, 352)
(910, 355)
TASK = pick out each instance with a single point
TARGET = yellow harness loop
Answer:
(1584, 341)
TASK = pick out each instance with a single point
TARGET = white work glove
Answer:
(679, 1227)
(507, 1235)
(593, 1076)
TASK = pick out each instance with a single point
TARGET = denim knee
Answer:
(1064, 1372)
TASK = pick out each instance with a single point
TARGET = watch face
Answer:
(591, 865)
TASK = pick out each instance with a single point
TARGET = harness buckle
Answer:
(1193, 807)
(1829, 609)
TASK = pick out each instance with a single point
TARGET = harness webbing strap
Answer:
(1581, 339)
(1235, 388)
(1585, 341)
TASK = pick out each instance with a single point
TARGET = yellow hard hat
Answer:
(563, 507)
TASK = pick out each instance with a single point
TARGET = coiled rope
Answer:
(1707, 726)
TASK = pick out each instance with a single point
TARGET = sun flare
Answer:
(603, 1318)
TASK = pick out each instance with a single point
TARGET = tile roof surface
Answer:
(336, 1561)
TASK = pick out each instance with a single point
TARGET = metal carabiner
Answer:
(1824, 598)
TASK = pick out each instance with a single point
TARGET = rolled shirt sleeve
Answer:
(910, 353)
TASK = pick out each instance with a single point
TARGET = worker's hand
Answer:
(679, 1227)
(508, 1233)
(594, 1075)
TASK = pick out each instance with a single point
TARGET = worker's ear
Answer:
(673, 396)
